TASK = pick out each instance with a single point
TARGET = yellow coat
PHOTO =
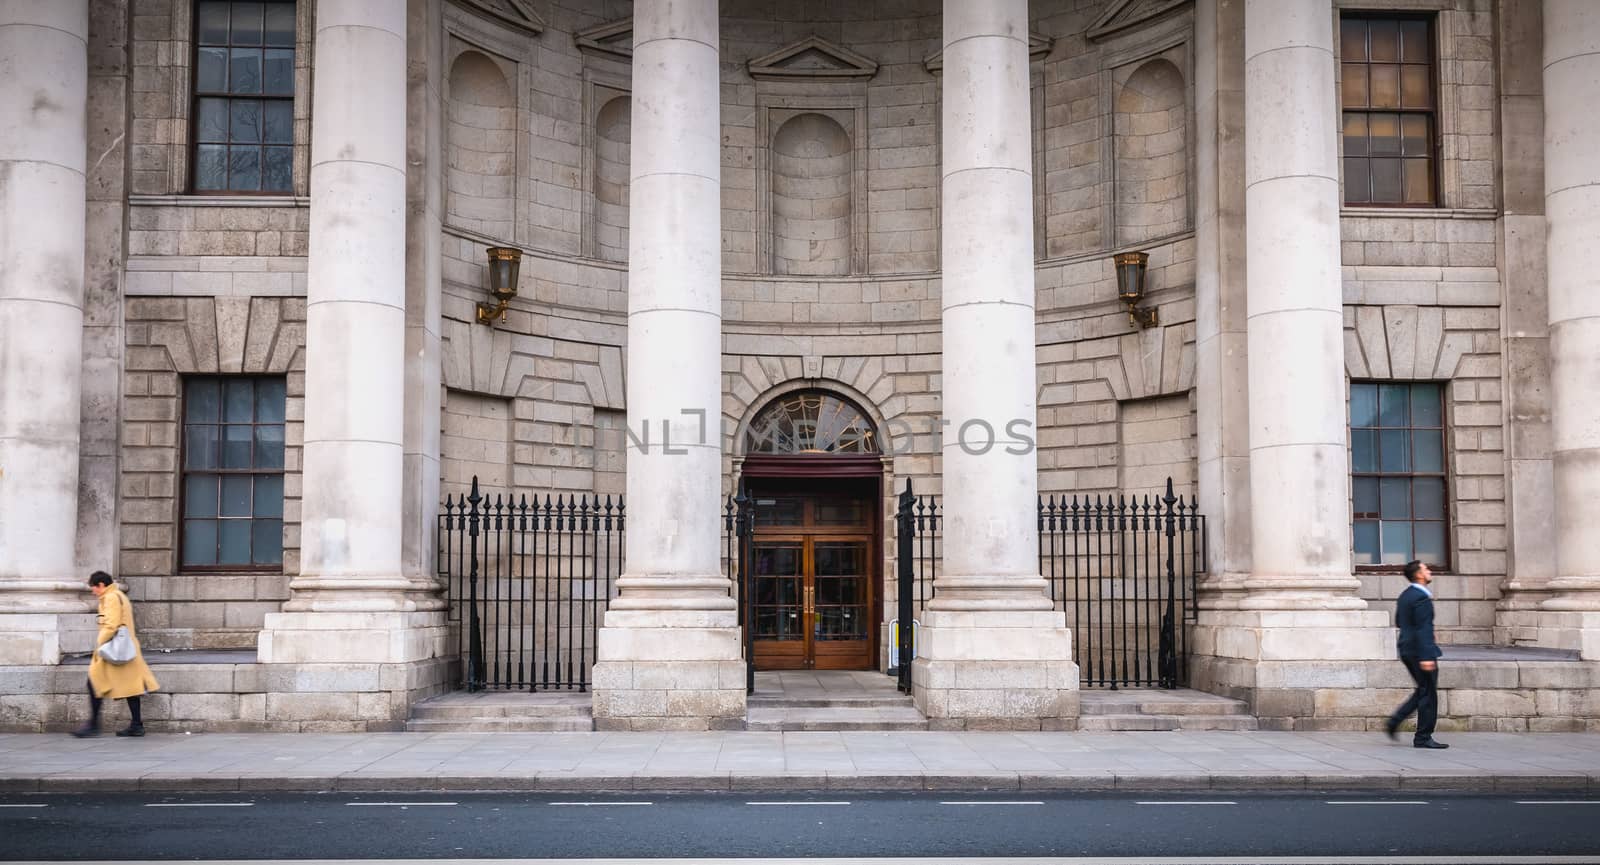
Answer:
(108, 679)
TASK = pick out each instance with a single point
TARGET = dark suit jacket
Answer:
(1413, 614)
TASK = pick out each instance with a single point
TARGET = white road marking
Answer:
(198, 804)
(602, 803)
(1375, 802)
(978, 802)
(1187, 803)
(1559, 802)
(24, 806)
(402, 804)
(1075, 860)
(797, 803)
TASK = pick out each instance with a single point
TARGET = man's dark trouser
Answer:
(1424, 700)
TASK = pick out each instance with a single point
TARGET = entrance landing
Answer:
(790, 700)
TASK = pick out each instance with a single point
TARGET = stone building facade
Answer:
(244, 246)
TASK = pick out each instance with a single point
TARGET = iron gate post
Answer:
(1169, 624)
(474, 630)
(904, 531)
(743, 524)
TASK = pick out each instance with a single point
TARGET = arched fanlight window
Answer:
(811, 422)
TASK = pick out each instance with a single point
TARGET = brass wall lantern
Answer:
(505, 264)
(1130, 287)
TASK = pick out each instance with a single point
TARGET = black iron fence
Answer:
(1122, 571)
(528, 582)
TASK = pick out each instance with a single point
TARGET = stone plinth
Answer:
(1574, 630)
(352, 638)
(42, 638)
(669, 670)
(995, 669)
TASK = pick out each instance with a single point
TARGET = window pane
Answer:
(234, 540)
(1363, 405)
(239, 398)
(1363, 450)
(235, 496)
(1394, 451)
(211, 166)
(1385, 40)
(280, 24)
(1366, 542)
(199, 542)
(276, 174)
(1429, 543)
(1414, 135)
(247, 23)
(267, 546)
(1428, 451)
(1393, 402)
(1353, 85)
(200, 496)
(244, 168)
(202, 401)
(1415, 91)
(1419, 181)
(236, 446)
(200, 447)
(269, 400)
(1355, 135)
(1427, 498)
(1425, 410)
(1386, 188)
(1357, 184)
(1385, 92)
(244, 70)
(213, 23)
(1414, 44)
(212, 125)
(268, 500)
(1384, 133)
(1396, 543)
(278, 122)
(245, 123)
(1352, 40)
(1395, 498)
(1366, 495)
(211, 76)
(279, 71)
(269, 447)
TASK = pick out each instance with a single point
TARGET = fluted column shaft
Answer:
(991, 539)
(1299, 475)
(355, 364)
(44, 77)
(675, 313)
(1572, 213)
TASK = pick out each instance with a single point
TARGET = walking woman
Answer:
(118, 681)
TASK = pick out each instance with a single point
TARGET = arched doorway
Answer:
(812, 465)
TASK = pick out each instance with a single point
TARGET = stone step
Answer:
(488, 711)
(1175, 702)
(792, 719)
(572, 724)
(1104, 723)
(835, 701)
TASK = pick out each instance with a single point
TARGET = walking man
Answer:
(1413, 614)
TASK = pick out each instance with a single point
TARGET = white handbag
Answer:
(119, 649)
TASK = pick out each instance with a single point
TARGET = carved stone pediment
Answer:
(813, 57)
(1039, 46)
(1128, 14)
(613, 39)
(517, 14)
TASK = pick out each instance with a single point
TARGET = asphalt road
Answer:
(920, 826)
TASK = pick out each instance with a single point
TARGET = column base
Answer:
(995, 670)
(28, 639)
(346, 638)
(1570, 630)
(661, 669)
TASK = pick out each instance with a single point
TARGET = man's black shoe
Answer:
(1389, 728)
(132, 731)
(1429, 743)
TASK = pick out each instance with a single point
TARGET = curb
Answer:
(1463, 781)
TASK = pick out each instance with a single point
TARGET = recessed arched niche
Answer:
(612, 138)
(480, 137)
(812, 176)
(1152, 153)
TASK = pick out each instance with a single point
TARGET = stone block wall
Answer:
(167, 339)
(475, 440)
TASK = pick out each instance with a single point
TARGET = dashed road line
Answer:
(401, 804)
(198, 804)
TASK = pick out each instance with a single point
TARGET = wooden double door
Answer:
(814, 574)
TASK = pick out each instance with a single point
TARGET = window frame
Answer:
(1433, 114)
(195, 95)
(183, 473)
(1447, 523)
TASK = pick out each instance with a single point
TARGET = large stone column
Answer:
(669, 654)
(1300, 609)
(44, 77)
(350, 601)
(1572, 213)
(993, 650)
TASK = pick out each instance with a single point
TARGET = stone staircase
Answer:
(789, 701)
(502, 712)
(1178, 709)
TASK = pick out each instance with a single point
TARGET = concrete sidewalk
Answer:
(968, 761)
